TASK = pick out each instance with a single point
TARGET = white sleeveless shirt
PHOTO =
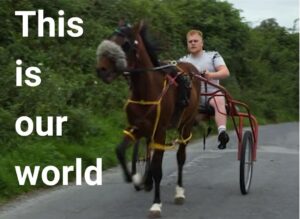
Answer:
(207, 60)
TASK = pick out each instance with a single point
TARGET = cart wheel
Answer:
(246, 163)
(140, 165)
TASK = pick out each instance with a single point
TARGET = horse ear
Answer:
(141, 25)
(138, 27)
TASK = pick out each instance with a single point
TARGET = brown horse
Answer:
(152, 104)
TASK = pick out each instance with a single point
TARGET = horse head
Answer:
(116, 53)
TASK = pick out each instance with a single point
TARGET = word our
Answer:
(75, 30)
(25, 121)
(32, 175)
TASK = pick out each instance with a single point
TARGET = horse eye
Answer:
(126, 46)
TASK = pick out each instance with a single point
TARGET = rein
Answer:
(143, 70)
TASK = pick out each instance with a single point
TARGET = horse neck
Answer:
(146, 85)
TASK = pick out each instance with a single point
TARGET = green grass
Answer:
(44, 151)
(101, 136)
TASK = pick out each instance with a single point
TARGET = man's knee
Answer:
(217, 101)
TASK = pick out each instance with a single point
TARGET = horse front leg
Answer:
(121, 152)
(156, 170)
(185, 132)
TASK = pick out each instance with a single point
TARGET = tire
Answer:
(246, 163)
(140, 163)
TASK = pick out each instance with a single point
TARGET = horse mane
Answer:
(150, 45)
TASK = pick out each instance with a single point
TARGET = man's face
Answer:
(194, 43)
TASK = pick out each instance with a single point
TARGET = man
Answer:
(214, 68)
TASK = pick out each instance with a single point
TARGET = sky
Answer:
(255, 11)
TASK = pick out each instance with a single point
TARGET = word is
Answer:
(32, 80)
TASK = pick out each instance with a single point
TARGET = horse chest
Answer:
(141, 112)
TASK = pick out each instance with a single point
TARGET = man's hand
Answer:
(221, 73)
(207, 74)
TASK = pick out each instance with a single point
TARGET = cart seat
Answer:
(206, 109)
(209, 110)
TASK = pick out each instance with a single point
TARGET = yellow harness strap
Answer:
(157, 146)
(153, 144)
(143, 102)
(128, 133)
(184, 141)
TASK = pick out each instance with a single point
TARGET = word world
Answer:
(55, 175)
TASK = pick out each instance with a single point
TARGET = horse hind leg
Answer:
(148, 183)
(179, 190)
(120, 152)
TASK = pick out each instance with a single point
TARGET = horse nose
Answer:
(104, 74)
(101, 71)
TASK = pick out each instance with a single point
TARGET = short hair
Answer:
(192, 32)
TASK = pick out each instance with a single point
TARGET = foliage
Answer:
(263, 62)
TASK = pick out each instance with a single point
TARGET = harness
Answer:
(156, 104)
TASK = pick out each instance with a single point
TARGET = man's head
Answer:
(194, 40)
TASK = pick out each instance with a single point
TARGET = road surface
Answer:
(211, 180)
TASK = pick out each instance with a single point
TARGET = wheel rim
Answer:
(248, 165)
(246, 162)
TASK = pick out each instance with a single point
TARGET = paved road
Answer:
(211, 182)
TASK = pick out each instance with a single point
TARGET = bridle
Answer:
(129, 44)
(130, 47)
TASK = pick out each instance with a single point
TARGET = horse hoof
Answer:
(137, 179)
(179, 195)
(154, 214)
(138, 188)
(155, 211)
(138, 182)
(179, 200)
